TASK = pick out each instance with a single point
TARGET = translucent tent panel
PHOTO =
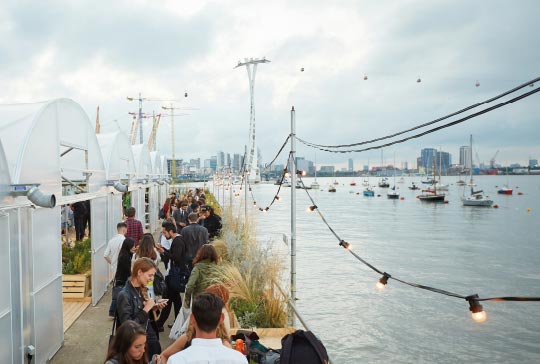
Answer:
(35, 136)
(143, 163)
(164, 167)
(117, 156)
(155, 158)
(5, 180)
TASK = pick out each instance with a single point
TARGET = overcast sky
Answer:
(99, 52)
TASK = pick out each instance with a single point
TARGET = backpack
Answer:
(302, 347)
(161, 214)
(160, 287)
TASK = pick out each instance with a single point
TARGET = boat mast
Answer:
(471, 171)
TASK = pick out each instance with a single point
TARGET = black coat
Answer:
(130, 304)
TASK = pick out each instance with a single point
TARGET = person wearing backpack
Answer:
(302, 347)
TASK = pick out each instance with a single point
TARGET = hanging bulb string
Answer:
(347, 246)
(399, 141)
(268, 165)
(506, 93)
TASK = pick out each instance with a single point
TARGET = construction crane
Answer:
(153, 134)
(136, 124)
(171, 109)
(98, 125)
(492, 160)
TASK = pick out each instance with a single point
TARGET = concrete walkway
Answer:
(86, 341)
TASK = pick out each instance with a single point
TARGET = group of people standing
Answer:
(185, 249)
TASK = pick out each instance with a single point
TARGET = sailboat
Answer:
(315, 185)
(432, 195)
(505, 190)
(414, 186)
(393, 194)
(438, 184)
(383, 183)
(476, 198)
(368, 191)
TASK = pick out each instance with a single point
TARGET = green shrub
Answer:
(77, 260)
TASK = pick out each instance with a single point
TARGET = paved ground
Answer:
(87, 339)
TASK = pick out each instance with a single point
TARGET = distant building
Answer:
(327, 169)
(228, 160)
(303, 164)
(279, 168)
(213, 163)
(196, 163)
(533, 162)
(426, 156)
(443, 160)
(366, 168)
(237, 162)
(465, 156)
(351, 165)
(179, 168)
(220, 161)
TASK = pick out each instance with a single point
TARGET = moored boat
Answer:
(505, 190)
(331, 188)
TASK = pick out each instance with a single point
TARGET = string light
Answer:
(477, 311)
(381, 284)
(286, 173)
(277, 198)
(345, 245)
(311, 208)
(301, 173)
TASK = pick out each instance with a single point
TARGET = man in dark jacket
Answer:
(212, 221)
(193, 236)
(79, 212)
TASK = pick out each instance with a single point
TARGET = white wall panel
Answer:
(100, 268)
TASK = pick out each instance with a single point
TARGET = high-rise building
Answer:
(179, 163)
(220, 161)
(366, 168)
(195, 163)
(303, 164)
(213, 162)
(351, 166)
(465, 156)
(443, 161)
(228, 160)
(533, 162)
(237, 163)
(427, 155)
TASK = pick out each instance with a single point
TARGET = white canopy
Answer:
(143, 163)
(5, 181)
(117, 156)
(44, 142)
(155, 158)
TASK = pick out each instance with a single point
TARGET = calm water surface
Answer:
(492, 252)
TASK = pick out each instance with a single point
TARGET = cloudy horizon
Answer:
(103, 52)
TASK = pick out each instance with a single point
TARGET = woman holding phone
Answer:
(134, 304)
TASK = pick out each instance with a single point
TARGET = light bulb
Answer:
(277, 198)
(479, 316)
(311, 208)
(287, 174)
(380, 286)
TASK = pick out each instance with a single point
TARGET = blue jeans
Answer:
(116, 289)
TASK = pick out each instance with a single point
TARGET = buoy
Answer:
(402, 198)
(357, 193)
(520, 193)
(302, 69)
(495, 206)
(445, 201)
(418, 196)
(529, 209)
(378, 195)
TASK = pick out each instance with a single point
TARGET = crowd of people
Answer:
(142, 296)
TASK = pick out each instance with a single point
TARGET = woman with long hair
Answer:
(147, 249)
(202, 264)
(129, 345)
(134, 304)
(123, 269)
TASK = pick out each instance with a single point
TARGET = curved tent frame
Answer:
(140, 190)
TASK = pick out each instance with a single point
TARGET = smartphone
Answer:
(163, 300)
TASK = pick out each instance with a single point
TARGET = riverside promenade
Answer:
(87, 340)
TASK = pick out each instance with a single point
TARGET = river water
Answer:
(467, 250)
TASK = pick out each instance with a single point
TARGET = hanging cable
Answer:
(268, 165)
(429, 131)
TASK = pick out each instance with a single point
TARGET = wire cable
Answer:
(506, 93)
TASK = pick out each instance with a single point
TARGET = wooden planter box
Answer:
(76, 286)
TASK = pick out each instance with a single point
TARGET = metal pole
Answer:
(245, 188)
(230, 189)
(140, 119)
(292, 171)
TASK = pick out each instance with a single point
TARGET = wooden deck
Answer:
(72, 311)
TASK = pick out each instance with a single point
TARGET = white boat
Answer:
(331, 188)
(476, 198)
(441, 187)
(315, 185)
(393, 194)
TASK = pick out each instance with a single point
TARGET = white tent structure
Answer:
(50, 148)
(156, 198)
(119, 171)
(6, 311)
(140, 190)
